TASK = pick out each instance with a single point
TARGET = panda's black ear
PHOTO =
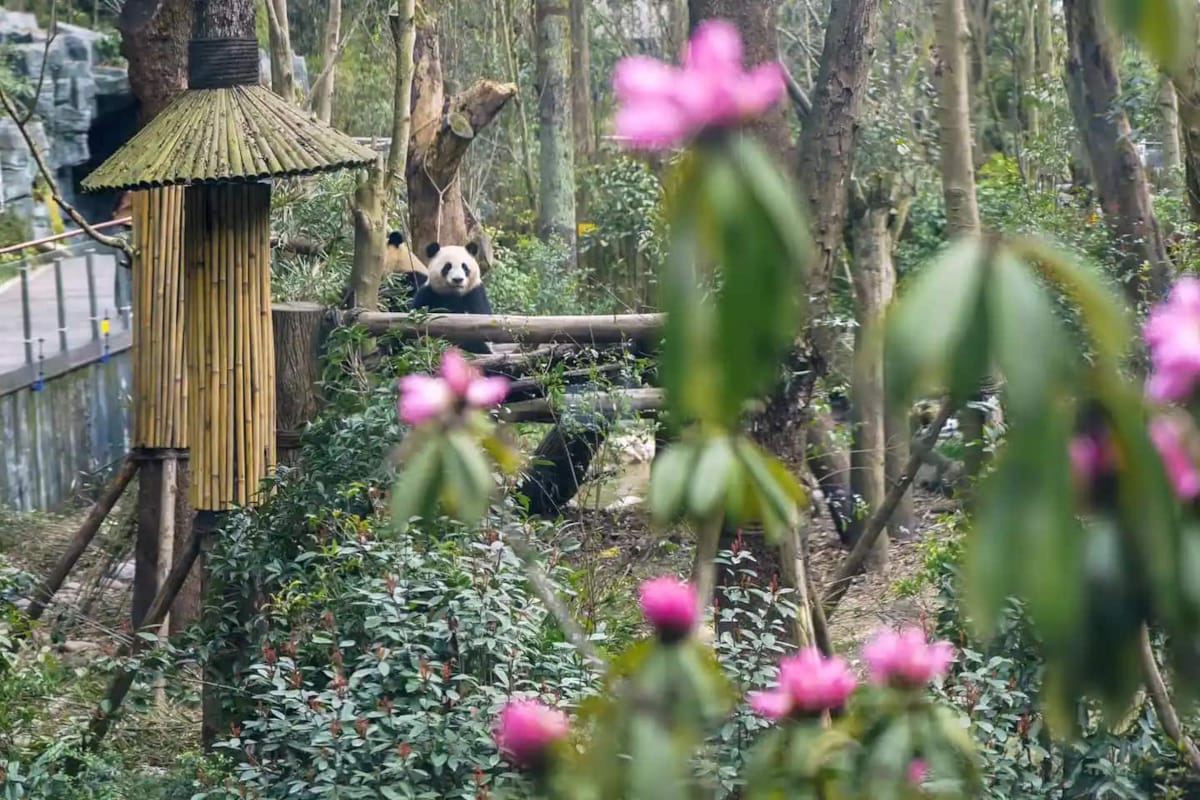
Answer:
(473, 249)
(431, 249)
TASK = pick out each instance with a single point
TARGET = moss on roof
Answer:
(242, 133)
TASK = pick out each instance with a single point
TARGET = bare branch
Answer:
(50, 37)
(10, 108)
(328, 68)
(797, 95)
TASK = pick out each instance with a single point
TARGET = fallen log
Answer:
(623, 401)
(505, 328)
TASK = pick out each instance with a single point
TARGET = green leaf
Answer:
(656, 769)
(1023, 323)
(715, 468)
(1165, 28)
(1104, 315)
(467, 481)
(668, 481)
(928, 326)
(777, 493)
(416, 487)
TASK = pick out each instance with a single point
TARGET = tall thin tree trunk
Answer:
(403, 26)
(958, 172)
(582, 116)
(283, 75)
(1027, 77)
(323, 92)
(1168, 117)
(523, 137)
(1044, 33)
(874, 279)
(1094, 90)
(556, 166)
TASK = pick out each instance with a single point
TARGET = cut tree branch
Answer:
(10, 108)
(856, 559)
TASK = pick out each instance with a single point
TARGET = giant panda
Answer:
(454, 286)
(403, 274)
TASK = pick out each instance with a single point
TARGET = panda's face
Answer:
(453, 269)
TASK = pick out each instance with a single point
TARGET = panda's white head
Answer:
(453, 269)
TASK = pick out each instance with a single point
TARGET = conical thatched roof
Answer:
(240, 133)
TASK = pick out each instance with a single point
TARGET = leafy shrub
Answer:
(530, 278)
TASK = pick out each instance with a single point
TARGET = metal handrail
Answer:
(16, 248)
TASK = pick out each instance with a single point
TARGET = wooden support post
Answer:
(123, 680)
(166, 549)
(299, 332)
(87, 531)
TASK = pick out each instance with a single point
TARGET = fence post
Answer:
(93, 304)
(62, 305)
(27, 322)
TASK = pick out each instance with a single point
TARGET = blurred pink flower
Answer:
(1091, 455)
(526, 728)
(661, 105)
(425, 397)
(1170, 437)
(917, 770)
(905, 658)
(1172, 333)
(670, 606)
(808, 684)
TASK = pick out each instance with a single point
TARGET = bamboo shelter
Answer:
(223, 138)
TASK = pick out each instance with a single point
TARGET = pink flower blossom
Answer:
(670, 606)
(808, 684)
(905, 658)
(424, 397)
(1173, 335)
(1092, 455)
(526, 728)
(1170, 435)
(917, 770)
(661, 105)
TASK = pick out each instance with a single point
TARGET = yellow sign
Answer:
(104, 326)
(584, 228)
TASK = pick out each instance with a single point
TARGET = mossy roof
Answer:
(241, 133)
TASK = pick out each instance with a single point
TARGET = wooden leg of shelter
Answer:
(87, 531)
(159, 608)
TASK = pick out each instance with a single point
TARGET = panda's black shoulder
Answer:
(476, 301)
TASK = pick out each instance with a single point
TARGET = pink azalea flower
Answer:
(526, 728)
(1172, 333)
(423, 397)
(905, 658)
(917, 770)
(661, 105)
(1091, 455)
(670, 606)
(1170, 436)
(808, 684)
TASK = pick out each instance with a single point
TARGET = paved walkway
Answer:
(43, 308)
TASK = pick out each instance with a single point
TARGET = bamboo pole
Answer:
(232, 432)
(166, 551)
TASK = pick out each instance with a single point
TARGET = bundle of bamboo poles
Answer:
(159, 377)
(230, 350)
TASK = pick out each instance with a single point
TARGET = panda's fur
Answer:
(403, 274)
(454, 286)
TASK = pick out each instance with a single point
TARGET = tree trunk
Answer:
(582, 118)
(441, 134)
(1044, 32)
(1094, 90)
(283, 76)
(556, 168)
(899, 433)
(954, 119)
(958, 172)
(323, 91)
(1026, 62)
(826, 157)
(154, 40)
(523, 139)
(1168, 111)
(376, 185)
(874, 285)
(299, 330)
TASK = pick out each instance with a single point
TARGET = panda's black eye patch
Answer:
(446, 269)
(466, 269)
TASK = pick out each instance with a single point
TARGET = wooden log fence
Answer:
(508, 328)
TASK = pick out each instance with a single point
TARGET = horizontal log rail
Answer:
(508, 328)
(632, 401)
